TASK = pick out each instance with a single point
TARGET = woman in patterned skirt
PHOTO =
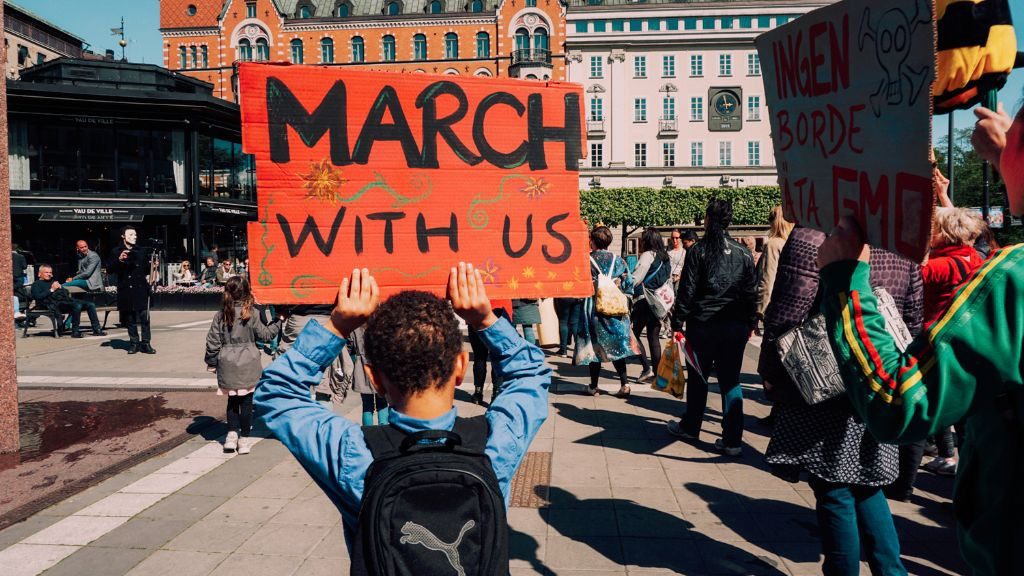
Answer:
(601, 338)
(846, 467)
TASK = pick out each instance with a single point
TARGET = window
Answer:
(195, 56)
(596, 109)
(343, 10)
(696, 65)
(754, 153)
(780, 20)
(618, 25)
(640, 110)
(696, 153)
(596, 67)
(689, 23)
(764, 21)
(668, 154)
(636, 25)
(753, 65)
(358, 50)
(531, 3)
(40, 58)
(522, 40)
(708, 24)
(541, 42)
(746, 21)
(182, 55)
(435, 7)
(419, 47)
(753, 107)
(204, 56)
(640, 154)
(725, 65)
(600, 26)
(697, 109)
(244, 49)
(327, 51)
(393, 9)
(672, 24)
(296, 51)
(726, 23)
(640, 67)
(250, 9)
(305, 11)
(476, 6)
(668, 66)
(668, 108)
(262, 49)
(653, 25)
(596, 155)
(451, 46)
(191, 10)
(581, 26)
(387, 48)
(725, 153)
(483, 45)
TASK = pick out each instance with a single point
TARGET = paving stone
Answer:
(31, 559)
(658, 498)
(258, 565)
(632, 477)
(286, 487)
(193, 465)
(332, 547)
(157, 483)
(212, 536)
(247, 510)
(284, 540)
(99, 562)
(119, 504)
(586, 522)
(740, 559)
(214, 484)
(314, 566)
(144, 533)
(311, 512)
(724, 527)
(580, 497)
(678, 556)
(177, 563)
(75, 530)
(586, 553)
(527, 551)
(184, 507)
(17, 532)
(640, 522)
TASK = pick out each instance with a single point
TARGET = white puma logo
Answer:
(413, 533)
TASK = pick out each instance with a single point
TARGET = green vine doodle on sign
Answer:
(265, 278)
(418, 182)
(478, 217)
(302, 285)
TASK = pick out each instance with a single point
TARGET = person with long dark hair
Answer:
(232, 353)
(717, 301)
(653, 270)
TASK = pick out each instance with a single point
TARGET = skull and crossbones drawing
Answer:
(893, 35)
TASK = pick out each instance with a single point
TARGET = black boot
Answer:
(147, 349)
(133, 348)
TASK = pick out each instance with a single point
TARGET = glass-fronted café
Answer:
(95, 145)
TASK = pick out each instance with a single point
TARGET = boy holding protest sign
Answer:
(414, 357)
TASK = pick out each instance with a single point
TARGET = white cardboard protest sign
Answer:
(848, 92)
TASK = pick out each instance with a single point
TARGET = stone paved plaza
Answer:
(623, 498)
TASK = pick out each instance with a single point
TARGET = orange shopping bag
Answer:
(672, 370)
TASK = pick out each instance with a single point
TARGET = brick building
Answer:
(520, 38)
(30, 40)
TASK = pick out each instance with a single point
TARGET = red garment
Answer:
(942, 277)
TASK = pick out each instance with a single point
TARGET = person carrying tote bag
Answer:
(653, 273)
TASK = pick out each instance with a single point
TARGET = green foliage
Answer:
(674, 206)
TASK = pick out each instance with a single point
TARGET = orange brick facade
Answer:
(206, 38)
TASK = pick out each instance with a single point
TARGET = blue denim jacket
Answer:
(333, 450)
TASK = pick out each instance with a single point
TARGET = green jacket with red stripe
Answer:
(968, 365)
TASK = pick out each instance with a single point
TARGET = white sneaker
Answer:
(231, 442)
(243, 445)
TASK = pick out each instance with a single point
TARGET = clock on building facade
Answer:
(725, 109)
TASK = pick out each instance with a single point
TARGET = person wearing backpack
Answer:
(232, 353)
(653, 272)
(603, 328)
(426, 494)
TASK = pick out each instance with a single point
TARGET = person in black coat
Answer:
(130, 262)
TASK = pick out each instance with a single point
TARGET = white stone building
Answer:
(673, 90)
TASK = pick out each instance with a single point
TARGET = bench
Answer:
(104, 303)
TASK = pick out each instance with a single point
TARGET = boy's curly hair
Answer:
(413, 338)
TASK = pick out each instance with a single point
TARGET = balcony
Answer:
(595, 128)
(668, 127)
(536, 56)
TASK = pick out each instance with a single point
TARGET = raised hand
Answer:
(358, 297)
(989, 137)
(469, 297)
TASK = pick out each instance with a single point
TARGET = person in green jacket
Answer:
(968, 364)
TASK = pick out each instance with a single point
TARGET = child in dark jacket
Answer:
(232, 353)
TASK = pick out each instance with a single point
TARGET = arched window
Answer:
(387, 48)
(483, 45)
(327, 51)
(262, 49)
(195, 56)
(531, 3)
(305, 11)
(419, 47)
(358, 50)
(183, 56)
(476, 6)
(540, 40)
(436, 7)
(344, 10)
(451, 46)
(393, 9)
(296, 51)
(522, 39)
(244, 50)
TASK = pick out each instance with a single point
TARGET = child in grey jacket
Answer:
(231, 352)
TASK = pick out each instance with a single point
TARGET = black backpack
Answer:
(431, 505)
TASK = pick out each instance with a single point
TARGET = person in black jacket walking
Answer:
(131, 264)
(717, 300)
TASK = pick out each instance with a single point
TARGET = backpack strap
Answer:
(469, 434)
(383, 441)
(474, 432)
(596, 267)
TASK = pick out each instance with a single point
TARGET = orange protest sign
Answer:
(408, 174)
